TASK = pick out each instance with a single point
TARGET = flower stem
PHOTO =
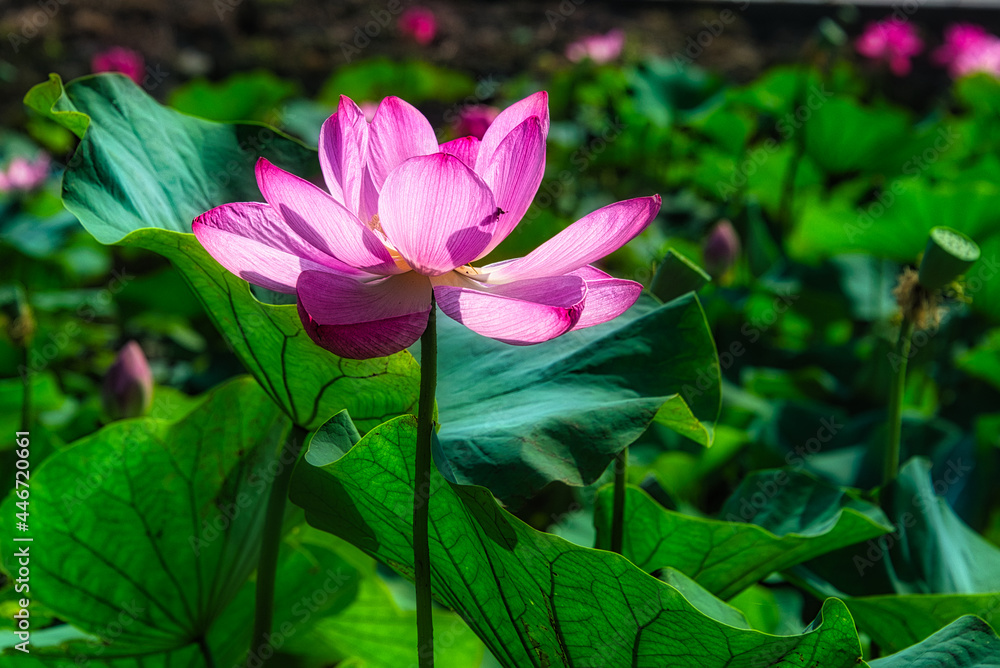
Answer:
(422, 490)
(26, 379)
(895, 424)
(618, 509)
(267, 565)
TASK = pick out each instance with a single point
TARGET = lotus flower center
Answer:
(400, 261)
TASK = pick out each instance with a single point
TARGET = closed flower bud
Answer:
(128, 384)
(721, 248)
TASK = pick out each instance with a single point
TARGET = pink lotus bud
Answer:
(892, 41)
(599, 48)
(119, 59)
(128, 384)
(721, 248)
(418, 23)
(474, 119)
(23, 175)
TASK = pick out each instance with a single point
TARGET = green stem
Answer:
(895, 424)
(26, 395)
(267, 566)
(422, 490)
(799, 144)
(618, 508)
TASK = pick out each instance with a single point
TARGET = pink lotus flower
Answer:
(474, 120)
(969, 48)
(418, 23)
(405, 218)
(599, 48)
(23, 175)
(892, 41)
(119, 59)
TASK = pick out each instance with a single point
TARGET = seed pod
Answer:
(949, 254)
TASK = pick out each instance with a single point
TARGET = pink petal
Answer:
(463, 148)
(363, 320)
(343, 145)
(514, 174)
(519, 313)
(368, 206)
(533, 105)
(589, 239)
(398, 132)
(607, 297)
(252, 241)
(321, 221)
(437, 213)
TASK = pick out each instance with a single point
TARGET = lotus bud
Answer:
(721, 248)
(128, 384)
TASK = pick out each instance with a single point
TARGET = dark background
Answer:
(303, 39)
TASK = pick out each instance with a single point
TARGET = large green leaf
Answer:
(827, 119)
(725, 557)
(319, 578)
(930, 571)
(932, 551)
(412, 80)
(983, 361)
(142, 173)
(516, 418)
(896, 222)
(897, 622)
(967, 643)
(936, 552)
(376, 633)
(72, 655)
(533, 598)
(245, 96)
(151, 527)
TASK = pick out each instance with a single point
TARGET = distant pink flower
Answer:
(892, 41)
(969, 48)
(405, 218)
(119, 59)
(474, 120)
(369, 109)
(599, 48)
(23, 175)
(985, 59)
(418, 23)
